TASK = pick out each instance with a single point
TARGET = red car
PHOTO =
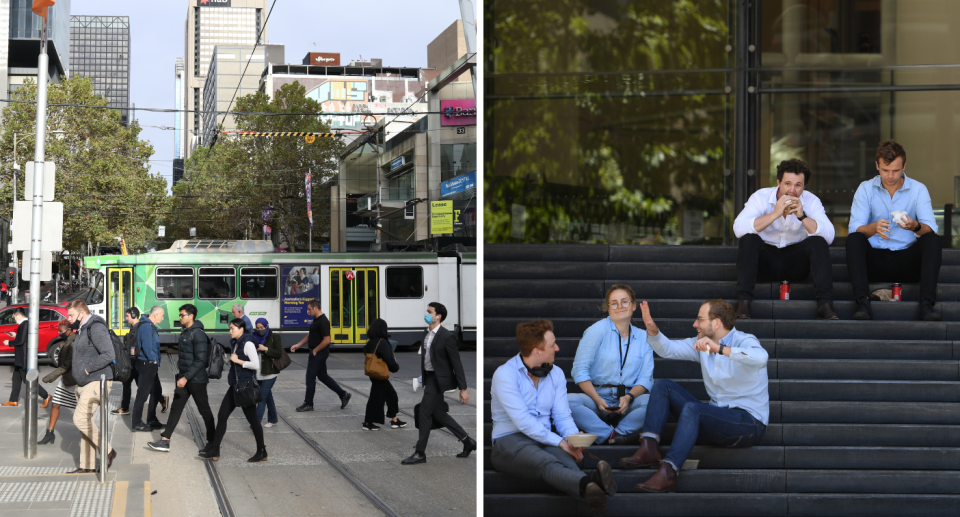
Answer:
(50, 316)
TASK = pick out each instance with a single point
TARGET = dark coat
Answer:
(193, 353)
(19, 345)
(238, 374)
(274, 351)
(445, 357)
(65, 360)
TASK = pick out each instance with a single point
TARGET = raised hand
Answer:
(648, 319)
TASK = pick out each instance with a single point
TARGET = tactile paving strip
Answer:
(57, 491)
(19, 492)
(92, 499)
(32, 471)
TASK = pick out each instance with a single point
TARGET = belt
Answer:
(610, 386)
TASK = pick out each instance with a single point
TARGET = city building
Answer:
(180, 106)
(100, 50)
(210, 24)
(21, 29)
(226, 81)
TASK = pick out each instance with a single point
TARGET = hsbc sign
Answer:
(213, 3)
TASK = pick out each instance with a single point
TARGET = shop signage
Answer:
(441, 217)
(397, 163)
(459, 184)
(323, 58)
(213, 3)
(458, 113)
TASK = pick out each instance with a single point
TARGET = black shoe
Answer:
(596, 498)
(826, 312)
(261, 455)
(927, 313)
(344, 400)
(743, 310)
(603, 477)
(142, 428)
(164, 403)
(120, 411)
(210, 454)
(370, 427)
(417, 457)
(469, 445)
(47, 438)
(156, 424)
(160, 445)
(397, 424)
(864, 311)
(305, 407)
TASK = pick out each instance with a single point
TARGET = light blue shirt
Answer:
(516, 406)
(872, 202)
(599, 356)
(738, 381)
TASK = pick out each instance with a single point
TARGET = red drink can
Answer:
(785, 290)
(897, 289)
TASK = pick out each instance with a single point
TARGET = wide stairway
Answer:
(864, 415)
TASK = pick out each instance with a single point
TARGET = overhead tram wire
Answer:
(252, 113)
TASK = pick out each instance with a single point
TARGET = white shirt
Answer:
(427, 342)
(783, 231)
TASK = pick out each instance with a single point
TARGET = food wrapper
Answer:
(898, 216)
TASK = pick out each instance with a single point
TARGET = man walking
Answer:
(318, 340)
(237, 311)
(192, 377)
(92, 357)
(131, 343)
(147, 366)
(442, 371)
(19, 345)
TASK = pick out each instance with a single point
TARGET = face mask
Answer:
(261, 332)
(540, 371)
(428, 318)
(75, 325)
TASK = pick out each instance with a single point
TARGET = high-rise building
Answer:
(100, 50)
(178, 143)
(20, 28)
(211, 23)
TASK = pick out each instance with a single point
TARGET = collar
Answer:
(21, 321)
(85, 320)
(613, 327)
(729, 337)
(907, 182)
(435, 330)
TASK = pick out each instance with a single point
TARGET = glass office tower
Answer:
(100, 50)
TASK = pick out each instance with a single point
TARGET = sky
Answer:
(398, 32)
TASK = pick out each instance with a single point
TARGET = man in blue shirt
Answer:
(525, 394)
(147, 365)
(734, 368)
(893, 234)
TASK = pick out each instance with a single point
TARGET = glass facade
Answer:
(25, 25)
(645, 122)
(100, 50)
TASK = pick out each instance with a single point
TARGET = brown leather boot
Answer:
(663, 481)
(646, 456)
(596, 498)
(743, 310)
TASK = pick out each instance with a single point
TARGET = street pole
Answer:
(16, 168)
(30, 417)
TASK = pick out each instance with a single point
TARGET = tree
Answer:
(232, 183)
(103, 176)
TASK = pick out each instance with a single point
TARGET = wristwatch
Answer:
(918, 228)
(632, 398)
(803, 216)
(722, 346)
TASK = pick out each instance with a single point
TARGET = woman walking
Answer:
(268, 344)
(245, 364)
(65, 395)
(381, 391)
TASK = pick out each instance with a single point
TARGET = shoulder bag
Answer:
(375, 367)
(246, 393)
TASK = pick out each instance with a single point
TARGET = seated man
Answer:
(734, 367)
(525, 393)
(908, 251)
(784, 233)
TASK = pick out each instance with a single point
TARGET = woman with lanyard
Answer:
(614, 370)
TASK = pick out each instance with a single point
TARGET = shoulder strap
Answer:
(376, 347)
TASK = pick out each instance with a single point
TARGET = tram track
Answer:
(223, 501)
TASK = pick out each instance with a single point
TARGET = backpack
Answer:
(122, 365)
(215, 360)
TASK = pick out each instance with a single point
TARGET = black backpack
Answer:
(122, 365)
(215, 360)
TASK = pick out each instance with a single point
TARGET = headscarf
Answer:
(253, 333)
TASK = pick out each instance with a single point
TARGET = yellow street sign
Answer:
(309, 139)
(441, 217)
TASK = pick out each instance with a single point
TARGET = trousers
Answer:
(150, 387)
(520, 456)
(88, 400)
(920, 262)
(317, 369)
(20, 378)
(197, 390)
(226, 408)
(381, 392)
(430, 410)
(759, 261)
(589, 418)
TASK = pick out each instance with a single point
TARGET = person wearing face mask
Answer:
(784, 234)
(734, 368)
(614, 369)
(19, 344)
(66, 393)
(527, 395)
(442, 370)
(269, 348)
(318, 340)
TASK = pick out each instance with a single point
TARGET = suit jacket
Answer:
(445, 357)
(19, 345)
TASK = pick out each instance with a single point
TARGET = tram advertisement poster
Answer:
(300, 285)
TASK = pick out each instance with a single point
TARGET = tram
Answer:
(353, 289)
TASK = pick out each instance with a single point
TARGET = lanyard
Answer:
(623, 360)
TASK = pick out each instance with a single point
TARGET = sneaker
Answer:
(163, 403)
(864, 310)
(344, 400)
(269, 424)
(370, 427)
(305, 407)
(120, 411)
(397, 424)
(160, 445)
(416, 384)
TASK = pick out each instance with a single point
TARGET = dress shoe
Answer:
(47, 438)
(82, 471)
(261, 455)
(596, 498)
(646, 456)
(743, 310)
(210, 454)
(141, 428)
(469, 445)
(417, 457)
(603, 477)
(864, 310)
(110, 457)
(120, 411)
(927, 313)
(663, 481)
(826, 312)
(344, 400)
(12, 403)
(625, 439)
(46, 401)
(156, 424)
(305, 407)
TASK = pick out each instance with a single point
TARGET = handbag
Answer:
(374, 367)
(283, 362)
(246, 393)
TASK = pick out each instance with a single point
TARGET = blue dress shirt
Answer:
(738, 381)
(872, 202)
(599, 356)
(517, 406)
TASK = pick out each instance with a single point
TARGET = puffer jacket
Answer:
(192, 354)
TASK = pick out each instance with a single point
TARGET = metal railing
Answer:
(104, 430)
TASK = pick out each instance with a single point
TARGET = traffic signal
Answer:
(12, 275)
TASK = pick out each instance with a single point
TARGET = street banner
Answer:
(267, 217)
(441, 217)
(309, 203)
(300, 285)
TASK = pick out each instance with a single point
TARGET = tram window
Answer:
(259, 283)
(217, 283)
(405, 282)
(175, 283)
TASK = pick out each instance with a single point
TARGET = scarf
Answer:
(260, 340)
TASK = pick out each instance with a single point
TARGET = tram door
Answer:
(119, 298)
(354, 303)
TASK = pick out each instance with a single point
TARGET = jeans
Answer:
(317, 369)
(589, 418)
(920, 262)
(520, 456)
(197, 390)
(759, 261)
(266, 391)
(698, 422)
